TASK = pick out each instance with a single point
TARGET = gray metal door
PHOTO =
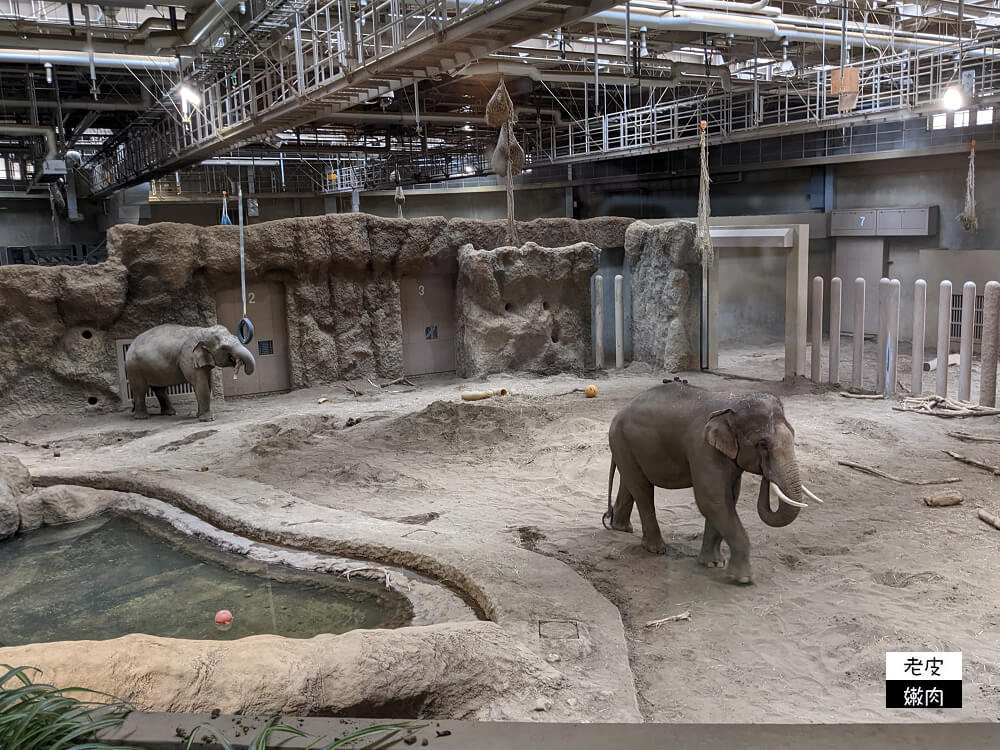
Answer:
(858, 257)
(266, 309)
(428, 315)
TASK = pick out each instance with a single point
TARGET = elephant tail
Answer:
(608, 518)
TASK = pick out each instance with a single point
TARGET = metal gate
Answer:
(956, 318)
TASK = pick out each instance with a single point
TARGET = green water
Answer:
(113, 575)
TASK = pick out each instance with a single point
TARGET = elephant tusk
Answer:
(785, 498)
(811, 495)
(236, 369)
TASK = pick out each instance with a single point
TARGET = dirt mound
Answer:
(446, 426)
(102, 439)
(366, 475)
(868, 428)
(281, 436)
(194, 437)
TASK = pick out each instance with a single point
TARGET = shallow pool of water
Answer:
(114, 575)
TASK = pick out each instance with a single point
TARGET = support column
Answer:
(892, 338)
(570, 208)
(817, 328)
(599, 321)
(859, 333)
(991, 331)
(883, 332)
(965, 349)
(919, 325)
(943, 338)
(619, 323)
(835, 312)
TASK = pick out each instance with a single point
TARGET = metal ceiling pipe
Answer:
(102, 106)
(404, 119)
(140, 4)
(761, 28)
(760, 7)
(101, 59)
(677, 69)
(48, 133)
(696, 21)
(216, 11)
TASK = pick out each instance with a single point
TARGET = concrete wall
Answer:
(25, 221)
(938, 180)
(485, 205)
(751, 297)
(208, 214)
(779, 191)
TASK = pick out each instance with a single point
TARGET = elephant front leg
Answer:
(166, 408)
(711, 548)
(716, 502)
(203, 392)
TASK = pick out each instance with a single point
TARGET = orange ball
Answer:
(591, 391)
(223, 617)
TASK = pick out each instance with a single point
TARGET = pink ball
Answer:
(223, 617)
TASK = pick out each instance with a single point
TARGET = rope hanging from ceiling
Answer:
(968, 216)
(508, 157)
(704, 237)
(225, 210)
(399, 198)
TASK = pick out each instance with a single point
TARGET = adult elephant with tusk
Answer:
(676, 436)
(170, 354)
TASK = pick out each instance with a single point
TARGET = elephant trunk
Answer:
(241, 354)
(788, 482)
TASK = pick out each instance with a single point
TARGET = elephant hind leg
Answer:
(139, 390)
(166, 408)
(622, 517)
(640, 490)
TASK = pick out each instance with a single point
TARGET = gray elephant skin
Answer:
(676, 436)
(170, 354)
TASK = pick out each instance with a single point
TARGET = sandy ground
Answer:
(872, 570)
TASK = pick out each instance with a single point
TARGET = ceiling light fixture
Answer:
(953, 99)
(189, 95)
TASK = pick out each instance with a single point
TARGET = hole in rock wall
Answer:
(508, 307)
(545, 305)
(87, 334)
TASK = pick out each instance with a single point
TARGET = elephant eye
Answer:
(762, 444)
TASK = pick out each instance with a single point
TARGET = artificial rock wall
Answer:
(341, 274)
(524, 308)
(663, 266)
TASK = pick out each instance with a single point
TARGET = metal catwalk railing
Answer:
(290, 71)
(335, 174)
(893, 85)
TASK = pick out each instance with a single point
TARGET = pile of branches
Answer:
(940, 406)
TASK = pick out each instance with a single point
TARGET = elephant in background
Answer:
(676, 436)
(171, 354)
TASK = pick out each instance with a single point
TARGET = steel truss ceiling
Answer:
(334, 57)
(364, 88)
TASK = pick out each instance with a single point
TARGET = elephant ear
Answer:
(719, 433)
(201, 351)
